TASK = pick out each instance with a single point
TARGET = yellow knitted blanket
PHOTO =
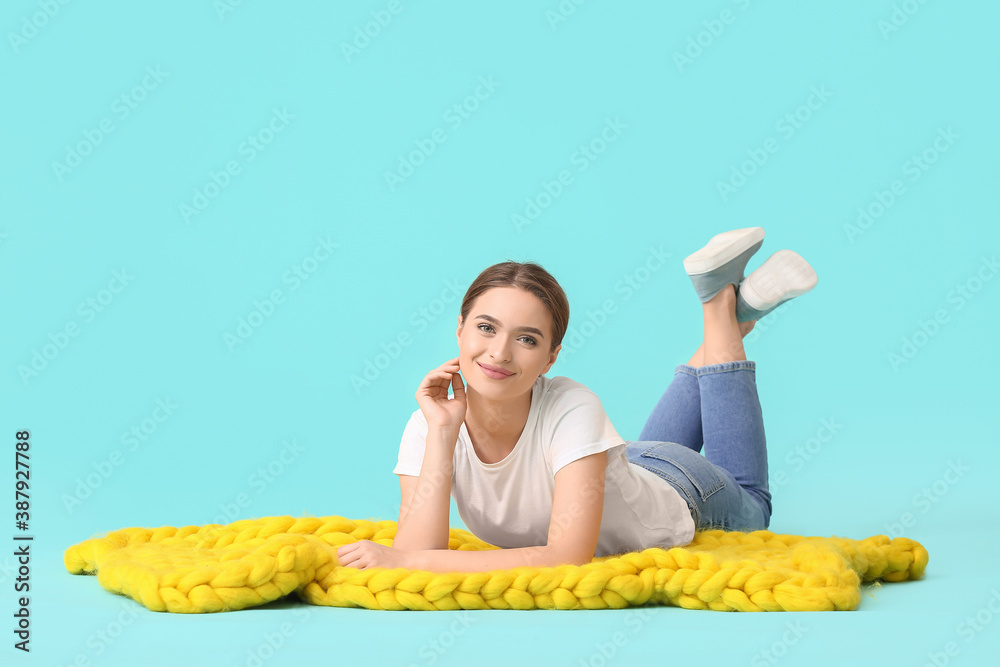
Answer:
(248, 563)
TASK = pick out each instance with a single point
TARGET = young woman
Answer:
(534, 463)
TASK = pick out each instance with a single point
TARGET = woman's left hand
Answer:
(365, 553)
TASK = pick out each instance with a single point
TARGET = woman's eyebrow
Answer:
(493, 320)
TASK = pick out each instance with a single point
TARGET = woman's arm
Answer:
(444, 560)
(424, 517)
(574, 528)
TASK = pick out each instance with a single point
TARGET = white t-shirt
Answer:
(509, 503)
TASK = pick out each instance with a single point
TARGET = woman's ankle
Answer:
(725, 299)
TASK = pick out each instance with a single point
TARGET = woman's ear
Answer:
(552, 359)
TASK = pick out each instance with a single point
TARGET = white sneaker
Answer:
(722, 261)
(784, 276)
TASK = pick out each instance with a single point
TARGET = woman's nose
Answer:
(500, 351)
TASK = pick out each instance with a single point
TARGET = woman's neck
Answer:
(496, 426)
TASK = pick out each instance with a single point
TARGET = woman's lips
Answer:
(493, 374)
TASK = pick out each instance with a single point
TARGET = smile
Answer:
(495, 375)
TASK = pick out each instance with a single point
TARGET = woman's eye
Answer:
(528, 339)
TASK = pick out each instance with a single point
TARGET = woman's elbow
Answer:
(406, 543)
(572, 558)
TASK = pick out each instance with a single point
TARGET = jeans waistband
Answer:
(725, 366)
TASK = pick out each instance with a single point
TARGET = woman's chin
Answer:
(490, 387)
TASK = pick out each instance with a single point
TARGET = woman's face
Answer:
(510, 329)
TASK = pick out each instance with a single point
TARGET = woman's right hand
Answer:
(432, 396)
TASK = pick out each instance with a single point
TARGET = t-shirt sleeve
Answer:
(412, 446)
(581, 428)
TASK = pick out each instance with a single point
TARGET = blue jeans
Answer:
(715, 406)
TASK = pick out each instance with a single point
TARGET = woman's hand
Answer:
(365, 553)
(432, 396)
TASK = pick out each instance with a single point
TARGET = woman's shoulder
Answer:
(417, 420)
(566, 391)
(561, 383)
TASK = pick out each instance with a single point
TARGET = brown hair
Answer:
(531, 278)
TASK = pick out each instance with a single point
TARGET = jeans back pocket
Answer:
(701, 474)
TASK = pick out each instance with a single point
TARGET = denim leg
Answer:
(733, 425)
(677, 416)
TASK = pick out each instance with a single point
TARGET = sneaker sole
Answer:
(783, 276)
(722, 248)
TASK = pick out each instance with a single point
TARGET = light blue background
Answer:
(890, 89)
